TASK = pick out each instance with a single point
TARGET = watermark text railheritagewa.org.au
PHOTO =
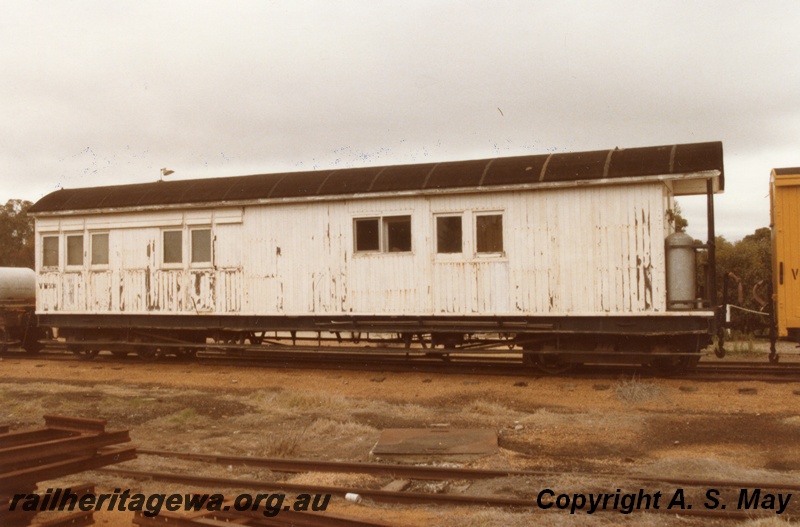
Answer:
(746, 499)
(152, 504)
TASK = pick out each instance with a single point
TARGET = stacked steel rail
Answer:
(66, 445)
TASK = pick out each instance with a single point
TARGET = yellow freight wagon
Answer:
(785, 201)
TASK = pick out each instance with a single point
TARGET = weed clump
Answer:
(637, 391)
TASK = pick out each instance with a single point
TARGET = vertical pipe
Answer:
(725, 279)
(722, 319)
(773, 327)
(712, 253)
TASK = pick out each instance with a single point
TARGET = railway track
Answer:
(488, 362)
(788, 370)
(529, 499)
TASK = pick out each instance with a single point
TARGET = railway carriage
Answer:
(567, 257)
(785, 222)
(18, 325)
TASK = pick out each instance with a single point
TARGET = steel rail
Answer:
(43, 518)
(385, 496)
(376, 469)
(401, 497)
(226, 518)
(25, 476)
(427, 472)
(35, 453)
(75, 519)
(461, 363)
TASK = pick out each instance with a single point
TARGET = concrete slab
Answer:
(432, 444)
(397, 485)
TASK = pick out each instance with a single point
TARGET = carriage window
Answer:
(489, 233)
(75, 249)
(448, 234)
(49, 251)
(397, 234)
(201, 246)
(173, 247)
(367, 235)
(391, 234)
(100, 248)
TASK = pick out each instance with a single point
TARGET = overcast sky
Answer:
(98, 92)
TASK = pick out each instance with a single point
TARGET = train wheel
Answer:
(187, 353)
(529, 359)
(33, 348)
(547, 362)
(148, 353)
(235, 339)
(675, 365)
(32, 343)
(552, 364)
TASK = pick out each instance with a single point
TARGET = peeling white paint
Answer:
(594, 250)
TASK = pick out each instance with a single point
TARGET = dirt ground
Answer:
(577, 428)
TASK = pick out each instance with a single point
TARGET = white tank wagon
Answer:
(17, 304)
(17, 286)
(563, 255)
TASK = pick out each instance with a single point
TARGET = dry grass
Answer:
(709, 468)
(549, 424)
(337, 480)
(284, 444)
(769, 522)
(294, 402)
(502, 518)
(637, 391)
(488, 408)
(622, 423)
(792, 421)
(333, 429)
(183, 417)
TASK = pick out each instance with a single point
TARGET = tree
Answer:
(675, 217)
(750, 260)
(16, 234)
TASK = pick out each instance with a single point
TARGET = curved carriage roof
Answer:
(480, 174)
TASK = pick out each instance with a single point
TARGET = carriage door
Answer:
(470, 264)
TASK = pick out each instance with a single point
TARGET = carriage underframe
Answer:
(552, 344)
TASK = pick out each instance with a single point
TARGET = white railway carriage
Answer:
(564, 255)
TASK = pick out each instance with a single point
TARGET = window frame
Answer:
(172, 265)
(190, 248)
(74, 266)
(489, 254)
(356, 250)
(456, 254)
(57, 265)
(383, 222)
(92, 263)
